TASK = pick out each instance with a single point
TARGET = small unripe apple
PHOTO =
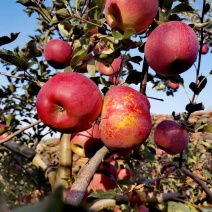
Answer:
(171, 48)
(125, 120)
(110, 69)
(58, 53)
(171, 137)
(69, 102)
(86, 143)
(105, 177)
(205, 48)
(172, 85)
(134, 14)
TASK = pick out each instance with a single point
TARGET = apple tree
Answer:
(75, 82)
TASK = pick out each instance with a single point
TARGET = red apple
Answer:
(86, 143)
(110, 69)
(58, 53)
(134, 14)
(125, 120)
(205, 48)
(171, 137)
(171, 48)
(123, 170)
(5, 134)
(142, 208)
(105, 177)
(172, 85)
(69, 102)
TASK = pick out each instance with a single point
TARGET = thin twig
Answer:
(19, 131)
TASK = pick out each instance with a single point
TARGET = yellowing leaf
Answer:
(180, 207)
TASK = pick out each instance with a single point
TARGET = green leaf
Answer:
(109, 194)
(182, 8)
(208, 128)
(192, 107)
(9, 118)
(180, 207)
(43, 12)
(5, 39)
(26, 3)
(63, 13)
(127, 34)
(14, 59)
(91, 68)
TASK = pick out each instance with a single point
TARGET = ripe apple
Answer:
(171, 48)
(105, 177)
(172, 85)
(123, 169)
(142, 208)
(69, 102)
(110, 69)
(58, 53)
(125, 120)
(86, 143)
(5, 134)
(134, 14)
(171, 137)
(205, 48)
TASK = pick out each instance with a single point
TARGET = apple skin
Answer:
(111, 69)
(171, 137)
(58, 53)
(69, 102)
(171, 48)
(125, 120)
(105, 178)
(205, 48)
(86, 143)
(172, 85)
(135, 14)
(4, 135)
(142, 208)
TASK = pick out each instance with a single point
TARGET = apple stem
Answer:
(63, 173)
(79, 187)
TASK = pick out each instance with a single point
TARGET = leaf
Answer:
(63, 13)
(182, 8)
(192, 107)
(202, 81)
(26, 3)
(9, 118)
(43, 12)
(109, 194)
(127, 34)
(91, 68)
(206, 8)
(180, 207)
(208, 128)
(14, 59)
(5, 39)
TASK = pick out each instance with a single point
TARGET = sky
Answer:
(13, 19)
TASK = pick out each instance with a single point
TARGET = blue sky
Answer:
(13, 19)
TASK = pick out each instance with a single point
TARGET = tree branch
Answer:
(19, 131)
(79, 187)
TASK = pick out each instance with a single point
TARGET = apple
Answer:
(205, 48)
(142, 208)
(25, 198)
(5, 134)
(123, 169)
(171, 48)
(125, 120)
(110, 69)
(58, 53)
(171, 137)
(172, 85)
(69, 102)
(114, 79)
(134, 14)
(86, 143)
(105, 177)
